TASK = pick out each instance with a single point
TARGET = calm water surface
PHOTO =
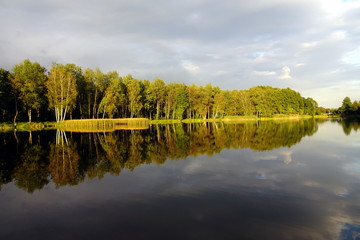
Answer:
(265, 180)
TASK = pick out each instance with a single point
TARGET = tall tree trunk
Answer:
(157, 110)
(16, 112)
(98, 112)
(30, 138)
(94, 106)
(29, 114)
(89, 107)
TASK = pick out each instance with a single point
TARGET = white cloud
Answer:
(286, 156)
(352, 57)
(283, 155)
(192, 40)
(309, 44)
(339, 35)
(189, 66)
(285, 74)
(193, 167)
(264, 73)
(221, 72)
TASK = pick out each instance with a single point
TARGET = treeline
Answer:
(30, 91)
(349, 108)
(32, 160)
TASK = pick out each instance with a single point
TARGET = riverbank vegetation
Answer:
(30, 92)
(349, 109)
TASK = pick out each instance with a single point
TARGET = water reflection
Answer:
(74, 156)
(349, 125)
(63, 161)
(228, 183)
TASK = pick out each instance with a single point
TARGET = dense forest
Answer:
(30, 92)
(349, 108)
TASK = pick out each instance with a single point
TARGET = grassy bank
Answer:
(103, 125)
(247, 118)
(165, 121)
(107, 125)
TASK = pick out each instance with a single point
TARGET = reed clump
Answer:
(104, 125)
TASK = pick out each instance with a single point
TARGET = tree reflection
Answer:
(32, 173)
(349, 125)
(64, 161)
(73, 156)
(114, 157)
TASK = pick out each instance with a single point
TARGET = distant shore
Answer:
(37, 126)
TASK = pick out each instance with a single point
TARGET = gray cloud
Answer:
(203, 41)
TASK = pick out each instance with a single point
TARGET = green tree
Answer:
(355, 106)
(62, 91)
(310, 106)
(97, 83)
(88, 93)
(6, 95)
(134, 96)
(245, 103)
(181, 100)
(28, 79)
(219, 104)
(170, 98)
(260, 101)
(202, 100)
(148, 106)
(238, 103)
(114, 97)
(191, 93)
(346, 105)
(76, 71)
(157, 94)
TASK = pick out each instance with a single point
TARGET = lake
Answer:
(254, 180)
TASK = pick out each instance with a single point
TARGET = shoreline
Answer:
(39, 126)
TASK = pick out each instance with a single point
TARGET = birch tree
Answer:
(28, 80)
(134, 96)
(62, 91)
(114, 98)
(157, 92)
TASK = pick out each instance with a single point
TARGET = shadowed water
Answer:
(256, 180)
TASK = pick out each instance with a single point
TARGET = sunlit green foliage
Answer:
(157, 92)
(114, 98)
(349, 108)
(28, 79)
(134, 96)
(62, 91)
(74, 93)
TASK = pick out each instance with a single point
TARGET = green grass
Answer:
(103, 125)
(233, 119)
(193, 120)
(240, 118)
(165, 121)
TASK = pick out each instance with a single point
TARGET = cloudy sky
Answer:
(311, 46)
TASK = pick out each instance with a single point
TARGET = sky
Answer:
(311, 46)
